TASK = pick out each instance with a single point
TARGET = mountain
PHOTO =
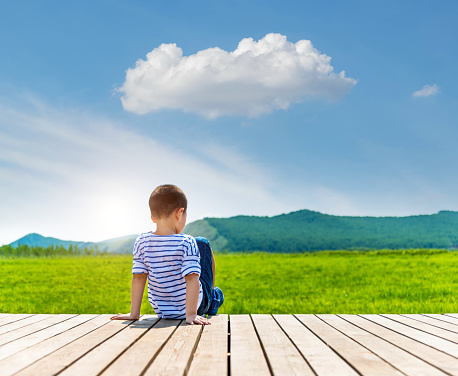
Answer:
(307, 230)
(118, 245)
(300, 231)
(36, 240)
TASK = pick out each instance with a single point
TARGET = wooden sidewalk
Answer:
(302, 344)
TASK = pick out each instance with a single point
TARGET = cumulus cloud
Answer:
(426, 91)
(257, 78)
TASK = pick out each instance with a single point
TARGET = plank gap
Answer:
(294, 344)
(262, 347)
(92, 348)
(369, 351)
(193, 350)
(330, 347)
(129, 346)
(228, 345)
(159, 349)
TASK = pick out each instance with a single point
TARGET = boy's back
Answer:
(167, 259)
(180, 270)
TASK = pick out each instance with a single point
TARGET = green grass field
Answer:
(327, 282)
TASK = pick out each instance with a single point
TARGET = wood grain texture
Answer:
(100, 357)
(7, 318)
(258, 345)
(54, 325)
(362, 359)
(175, 357)
(398, 358)
(282, 355)
(247, 357)
(210, 357)
(416, 334)
(435, 357)
(440, 317)
(425, 327)
(321, 358)
(139, 355)
(17, 324)
(20, 360)
(60, 359)
(434, 322)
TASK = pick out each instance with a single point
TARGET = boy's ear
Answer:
(152, 218)
(179, 212)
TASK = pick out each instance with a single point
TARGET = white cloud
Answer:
(426, 91)
(256, 78)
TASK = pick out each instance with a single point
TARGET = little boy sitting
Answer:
(180, 269)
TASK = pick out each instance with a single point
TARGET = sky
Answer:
(252, 108)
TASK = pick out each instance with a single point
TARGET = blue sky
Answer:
(82, 143)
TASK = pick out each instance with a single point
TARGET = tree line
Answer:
(24, 250)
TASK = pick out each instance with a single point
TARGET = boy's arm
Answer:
(138, 286)
(192, 298)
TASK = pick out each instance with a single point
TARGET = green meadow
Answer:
(410, 281)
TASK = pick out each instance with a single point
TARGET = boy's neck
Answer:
(164, 229)
(172, 224)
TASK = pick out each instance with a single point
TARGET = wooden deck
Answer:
(340, 345)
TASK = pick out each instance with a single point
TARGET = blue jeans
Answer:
(206, 277)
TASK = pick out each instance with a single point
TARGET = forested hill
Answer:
(307, 230)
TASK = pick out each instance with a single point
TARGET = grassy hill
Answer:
(307, 230)
(37, 240)
(118, 245)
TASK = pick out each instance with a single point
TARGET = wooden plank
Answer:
(441, 317)
(142, 352)
(175, 357)
(211, 356)
(282, 357)
(435, 357)
(432, 321)
(397, 357)
(62, 358)
(17, 324)
(434, 330)
(418, 335)
(454, 315)
(61, 323)
(360, 358)
(247, 357)
(7, 319)
(321, 358)
(100, 357)
(18, 361)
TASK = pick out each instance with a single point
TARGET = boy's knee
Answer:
(201, 239)
(204, 246)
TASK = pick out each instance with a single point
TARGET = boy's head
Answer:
(165, 199)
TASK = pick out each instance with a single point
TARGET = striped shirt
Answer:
(167, 259)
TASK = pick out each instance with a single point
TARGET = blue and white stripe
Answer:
(167, 260)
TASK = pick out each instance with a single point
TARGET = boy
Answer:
(180, 269)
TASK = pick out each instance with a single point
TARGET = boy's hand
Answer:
(196, 319)
(120, 316)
